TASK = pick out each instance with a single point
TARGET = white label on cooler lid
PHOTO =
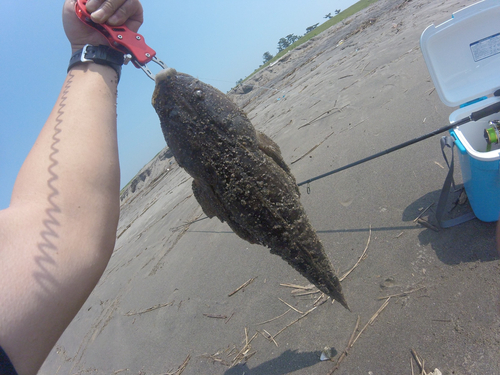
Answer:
(486, 47)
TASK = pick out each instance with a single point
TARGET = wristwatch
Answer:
(102, 55)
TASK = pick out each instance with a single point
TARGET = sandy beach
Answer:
(169, 301)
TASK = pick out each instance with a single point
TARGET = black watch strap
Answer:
(102, 55)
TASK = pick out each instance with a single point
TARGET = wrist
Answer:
(101, 55)
(105, 71)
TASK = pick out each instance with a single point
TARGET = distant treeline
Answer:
(288, 40)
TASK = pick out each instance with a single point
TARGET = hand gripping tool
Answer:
(122, 39)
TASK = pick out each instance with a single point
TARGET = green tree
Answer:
(311, 28)
(283, 44)
(292, 38)
(267, 57)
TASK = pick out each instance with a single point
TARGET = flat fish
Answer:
(239, 175)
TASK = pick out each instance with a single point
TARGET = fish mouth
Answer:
(172, 74)
(176, 96)
(165, 90)
(165, 74)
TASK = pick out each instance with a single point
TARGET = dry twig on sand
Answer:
(403, 294)
(301, 290)
(228, 319)
(349, 345)
(353, 340)
(320, 300)
(181, 368)
(372, 319)
(324, 113)
(159, 306)
(420, 362)
(216, 357)
(245, 353)
(426, 224)
(295, 321)
(270, 320)
(227, 358)
(362, 257)
(314, 148)
(187, 224)
(297, 293)
(295, 286)
(215, 316)
(268, 336)
(290, 306)
(242, 286)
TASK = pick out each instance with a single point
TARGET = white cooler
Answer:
(463, 58)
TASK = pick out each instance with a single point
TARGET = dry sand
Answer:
(163, 300)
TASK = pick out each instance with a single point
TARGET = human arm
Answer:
(58, 233)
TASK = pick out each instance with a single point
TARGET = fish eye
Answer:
(199, 94)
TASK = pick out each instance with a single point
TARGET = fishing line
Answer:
(490, 133)
(474, 116)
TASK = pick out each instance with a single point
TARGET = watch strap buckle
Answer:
(84, 53)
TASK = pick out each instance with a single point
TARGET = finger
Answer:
(130, 13)
(93, 5)
(105, 9)
(77, 32)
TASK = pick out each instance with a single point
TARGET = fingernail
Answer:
(97, 15)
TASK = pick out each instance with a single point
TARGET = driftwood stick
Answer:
(270, 320)
(244, 352)
(312, 149)
(268, 337)
(324, 113)
(228, 319)
(363, 256)
(420, 362)
(402, 294)
(242, 286)
(295, 321)
(352, 340)
(295, 286)
(290, 306)
(307, 293)
(215, 316)
(346, 350)
(372, 319)
(181, 368)
(155, 307)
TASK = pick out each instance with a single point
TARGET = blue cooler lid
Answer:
(463, 53)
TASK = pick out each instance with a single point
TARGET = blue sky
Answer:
(219, 42)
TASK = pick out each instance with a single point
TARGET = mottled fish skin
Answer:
(239, 175)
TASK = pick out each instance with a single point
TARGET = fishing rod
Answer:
(474, 116)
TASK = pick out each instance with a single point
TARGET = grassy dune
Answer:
(360, 5)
